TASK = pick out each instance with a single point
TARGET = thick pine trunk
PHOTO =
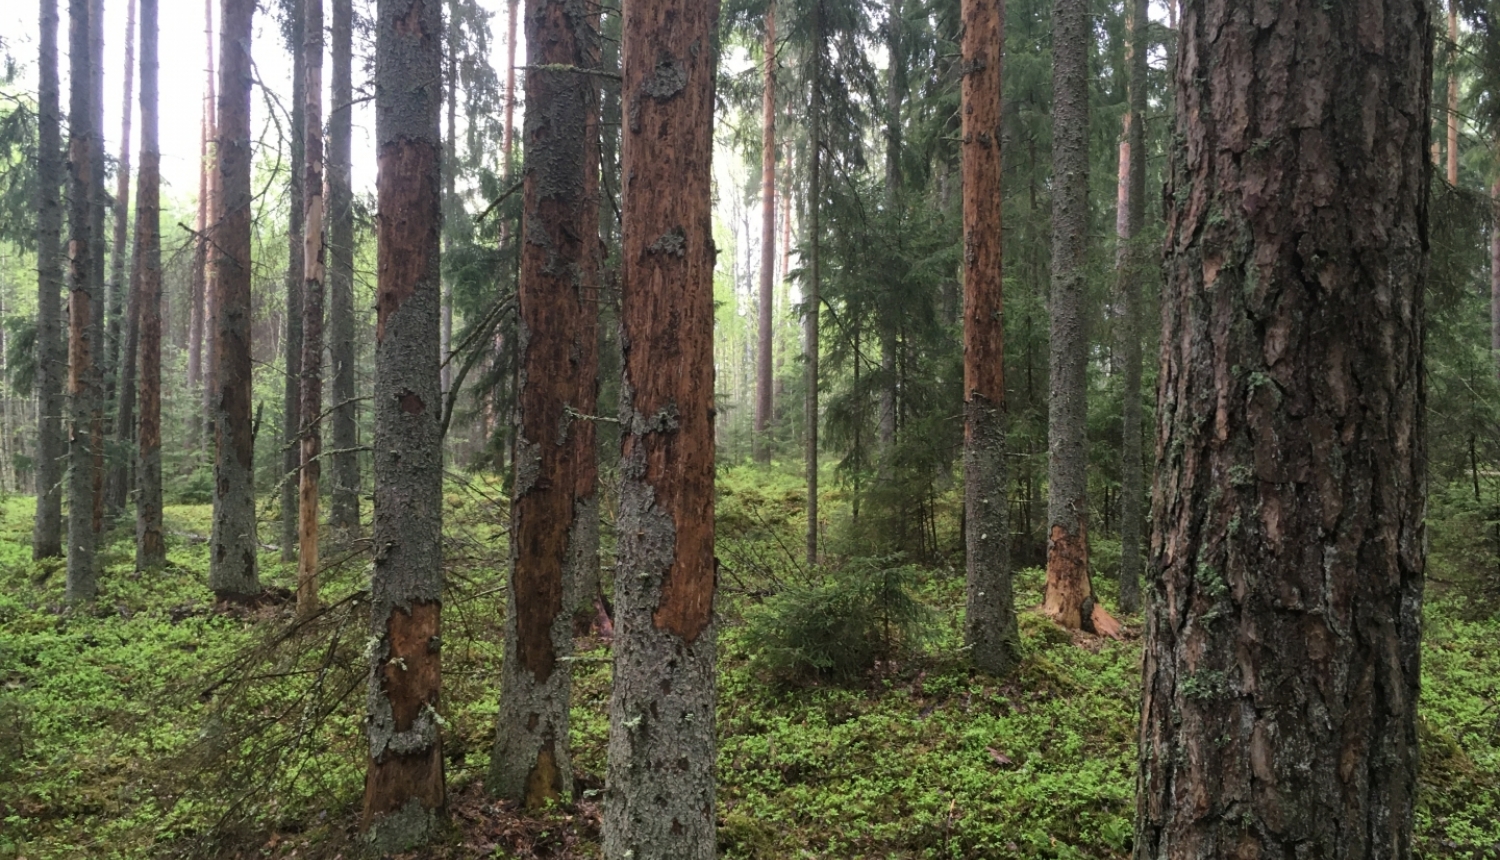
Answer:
(404, 789)
(232, 550)
(51, 358)
(811, 341)
(1131, 264)
(312, 311)
(660, 788)
(558, 252)
(1281, 666)
(83, 375)
(296, 272)
(343, 514)
(990, 617)
(1069, 590)
(763, 375)
(150, 545)
(120, 389)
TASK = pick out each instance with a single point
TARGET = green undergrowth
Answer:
(153, 724)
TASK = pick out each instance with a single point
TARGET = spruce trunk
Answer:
(763, 376)
(292, 312)
(83, 377)
(121, 389)
(1131, 265)
(51, 357)
(150, 543)
(343, 514)
(312, 312)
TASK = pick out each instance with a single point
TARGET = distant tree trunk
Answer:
(1068, 585)
(763, 401)
(211, 269)
(507, 145)
(1131, 262)
(1453, 92)
(558, 246)
(990, 618)
(46, 540)
(343, 515)
(451, 203)
(312, 315)
(120, 388)
(659, 798)
(98, 206)
(83, 376)
(232, 562)
(1281, 667)
(296, 272)
(811, 346)
(150, 545)
(198, 298)
(1495, 266)
(404, 788)
(891, 314)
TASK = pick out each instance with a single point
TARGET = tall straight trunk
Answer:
(119, 382)
(296, 272)
(312, 313)
(558, 249)
(1068, 585)
(404, 788)
(98, 206)
(659, 795)
(990, 617)
(811, 345)
(343, 514)
(51, 359)
(891, 315)
(1453, 92)
(508, 132)
(1281, 667)
(1495, 266)
(1131, 263)
(763, 376)
(232, 562)
(199, 287)
(215, 213)
(83, 376)
(451, 204)
(150, 545)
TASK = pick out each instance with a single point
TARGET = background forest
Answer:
(155, 702)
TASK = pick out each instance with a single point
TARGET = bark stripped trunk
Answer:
(1453, 92)
(559, 236)
(343, 514)
(232, 548)
(660, 787)
(121, 384)
(292, 313)
(1131, 262)
(197, 299)
(990, 617)
(763, 376)
(404, 789)
(83, 376)
(1281, 668)
(150, 545)
(312, 313)
(811, 344)
(1068, 585)
(46, 539)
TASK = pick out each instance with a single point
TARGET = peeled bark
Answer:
(83, 375)
(1281, 665)
(150, 544)
(292, 312)
(1068, 585)
(312, 312)
(1131, 262)
(46, 540)
(120, 388)
(232, 549)
(404, 789)
(990, 616)
(343, 514)
(763, 376)
(660, 787)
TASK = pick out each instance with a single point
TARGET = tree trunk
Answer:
(216, 225)
(1068, 585)
(451, 203)
(83, 377)
(98, 205)
(150, 545)
(660, 787)
(404, 788)
(343, 515)
(312, 315)
(1495, 267)
(892, 309)
(296, 272)
(1131, 264)
(1281, 667)
(232, 562)
(763, 397)
(120, 388)
(46, 539)
(811, 345)
(1453, 92)
(198, 298)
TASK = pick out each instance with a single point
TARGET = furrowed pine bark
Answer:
(150, 543)
(343, 514)
(559, 236)
(120, 388)
(404, 789)
(811, 345)
(1131, 263)
(51, 356)
(312, 311)
(764, 375)
(659, 794)
(83, 376)
(1281, 665)
(990, 616)
(295, 307)
(1068, 585)
(197, 299)
(232, 562)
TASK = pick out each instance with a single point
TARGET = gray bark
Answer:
(343, 514)
(1131, 263)
(51, 357)
(291, 342)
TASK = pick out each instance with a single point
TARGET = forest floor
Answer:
(153, 724)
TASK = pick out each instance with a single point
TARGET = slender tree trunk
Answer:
(46, 540)
(990, 618)
(451, 204)
(891, 310)
(404, 789)
(660, 788)
(814, 298)
(232, 562)
(198, 299)
(763, 397)
(1068, 586)
(296, 271)
(1281, 667)
(120, 381)
(83, 378)
(150, 545)
(1495, 266)
(312, 316)
(343, 515)
(1131, 263)
(98, 206)
(1453, 92)
(215, 212)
